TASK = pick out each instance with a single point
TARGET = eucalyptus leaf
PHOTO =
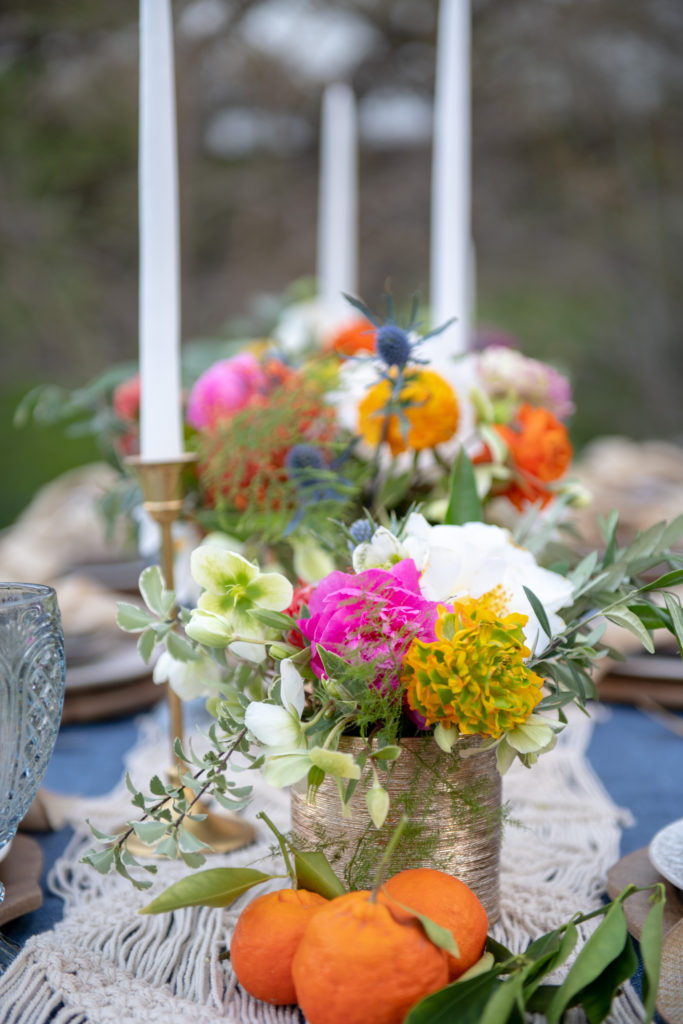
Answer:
(669, 579)
(539, 612)
(313, 872)
(149, 832)
(180, 649)
(147, 641)
(151, 586)
(215, 887)
(622, 616)
(464, 505)
(132, 619)
(275, 620)
(673, 606)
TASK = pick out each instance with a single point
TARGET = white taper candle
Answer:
(160, 398)
(450, 292)
(338, 200)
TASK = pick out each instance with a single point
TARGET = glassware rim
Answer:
(31, 592)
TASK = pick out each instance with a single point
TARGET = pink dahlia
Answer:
(225, 388)
(372, 617)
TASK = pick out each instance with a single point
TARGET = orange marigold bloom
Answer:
(355, 336)
(539, 452)
(430, 408)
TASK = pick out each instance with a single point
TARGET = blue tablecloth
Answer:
(639, 760)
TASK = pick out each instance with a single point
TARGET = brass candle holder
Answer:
(162, 492)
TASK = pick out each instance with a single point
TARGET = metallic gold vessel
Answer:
(454, 807)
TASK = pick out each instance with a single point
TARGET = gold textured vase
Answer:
(454, 808)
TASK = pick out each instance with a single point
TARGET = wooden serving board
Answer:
(20, 873)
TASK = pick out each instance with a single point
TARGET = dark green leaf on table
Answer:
(215, 887)
(602, 947)
(462, 1001)
(651, 951)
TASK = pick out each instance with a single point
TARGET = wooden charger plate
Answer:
(20, 873)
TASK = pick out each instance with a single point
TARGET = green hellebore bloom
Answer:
(233, 587)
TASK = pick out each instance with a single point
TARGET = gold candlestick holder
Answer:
(162, 492)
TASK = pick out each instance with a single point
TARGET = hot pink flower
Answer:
(370, 617)
(225, 388)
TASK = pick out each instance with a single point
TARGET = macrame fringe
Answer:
(104, 963)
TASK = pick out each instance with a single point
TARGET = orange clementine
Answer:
(265, 940)
(448, 902)
(356, 964)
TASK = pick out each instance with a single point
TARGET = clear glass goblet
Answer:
(31, 696)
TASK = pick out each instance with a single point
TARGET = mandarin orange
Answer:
(265, 940)
(448, 902)
(356, 964)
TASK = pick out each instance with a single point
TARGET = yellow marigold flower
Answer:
(430, 408)
(473, 677)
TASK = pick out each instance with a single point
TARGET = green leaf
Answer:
(275, 620)
(596, 998)
(500, 952)
(608, 528)
(464, 505)
(132, 619)
(436, 933)
(603, 946)
(151, 587)
(156, 786)
(388, 753)
(673, 606)
(313, 872)
(506, 1003)
(101, 860)
(550, 952)
(147, 641)
(180, 649)
(622, 616)
(539, 612)
(215, 887)
(651, 951)
(651, 616)
(461, 1002)
(669, 579)
(149, 832)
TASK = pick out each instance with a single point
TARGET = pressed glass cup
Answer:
(31, 696)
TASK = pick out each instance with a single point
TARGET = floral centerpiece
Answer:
(421, 651)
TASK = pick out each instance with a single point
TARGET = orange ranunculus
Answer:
(431, 412)
(540, 452)
(353, 337)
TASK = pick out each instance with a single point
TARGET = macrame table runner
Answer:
(105, 964)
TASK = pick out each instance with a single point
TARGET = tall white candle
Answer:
(160, 401)
(338, 200)
(450, 291)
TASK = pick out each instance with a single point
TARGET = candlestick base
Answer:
(161, 483)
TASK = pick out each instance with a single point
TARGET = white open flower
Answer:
(381, 552)
(189, 679)
(477, 559)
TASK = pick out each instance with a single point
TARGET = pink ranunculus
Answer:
(225, 388)
(369, 617)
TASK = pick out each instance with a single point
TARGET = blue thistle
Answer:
(393, 346)
(361, 531)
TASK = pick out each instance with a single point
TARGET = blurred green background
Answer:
(577, 165)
